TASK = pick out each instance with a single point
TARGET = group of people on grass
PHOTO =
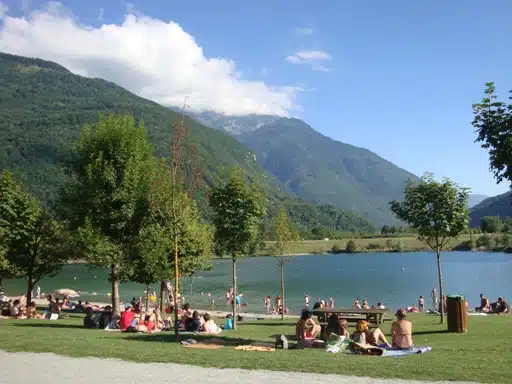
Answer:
(500, 306)
(135, 318)
(20, 309)
(307, 331)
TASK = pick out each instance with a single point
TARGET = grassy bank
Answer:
(377, 244)
(484, 354)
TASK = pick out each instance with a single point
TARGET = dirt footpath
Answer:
(42, 368)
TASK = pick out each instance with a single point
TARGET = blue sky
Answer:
(397, 77)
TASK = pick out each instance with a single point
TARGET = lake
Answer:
(396, 279)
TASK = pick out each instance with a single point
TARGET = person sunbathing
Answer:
(306, 329)
(337, 326)
(401, 331)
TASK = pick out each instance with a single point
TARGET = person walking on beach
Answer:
(331, 302)
(306, 301)
(38, 292)
(434, 298)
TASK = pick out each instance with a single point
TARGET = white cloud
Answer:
(150, 57)
(303, 31)
(3, 10)
(313, 58)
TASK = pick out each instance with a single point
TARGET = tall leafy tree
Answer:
(491, 224)
(238, 208)
(437, 211)
(106, 199)
(493, 125)
(32, 244)
(284, 244)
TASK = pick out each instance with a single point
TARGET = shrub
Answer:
(336, 248)
(389, 244)
(351, 246)
(373, 246)
(398, 246)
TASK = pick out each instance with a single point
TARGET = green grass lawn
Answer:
(483, 354)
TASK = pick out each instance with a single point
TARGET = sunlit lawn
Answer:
(484, 354)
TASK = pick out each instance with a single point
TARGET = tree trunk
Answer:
(147, 298)
(1, 282)
(116, 310)
(176, 290)
(30, 287)
(162, 298)
(234, 294)
(282, 291)
(441, 293)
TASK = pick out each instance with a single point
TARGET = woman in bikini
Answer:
(401, 331)
(306, 329)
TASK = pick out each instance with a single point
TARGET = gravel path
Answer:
(44, 368)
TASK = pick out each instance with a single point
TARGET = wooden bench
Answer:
(374, 317)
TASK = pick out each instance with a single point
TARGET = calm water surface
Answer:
(396, 279)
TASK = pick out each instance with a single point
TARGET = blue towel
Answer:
(397, 353)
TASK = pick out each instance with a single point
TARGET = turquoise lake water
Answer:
(377, 276)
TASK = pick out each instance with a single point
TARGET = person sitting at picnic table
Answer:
(306, 329)
(401, 331)
(485, 306)
(337, 326)
(363, 335)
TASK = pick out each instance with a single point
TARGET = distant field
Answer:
(411, 243)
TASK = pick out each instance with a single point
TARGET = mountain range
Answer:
(43, 107)
(500, 205)
(316, 167)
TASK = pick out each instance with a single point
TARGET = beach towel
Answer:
(477, 314)
(258, 348)
(203, 346)
(336, 344)
(365, 349)
(414, 351)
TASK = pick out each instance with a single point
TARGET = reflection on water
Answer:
(396, 279)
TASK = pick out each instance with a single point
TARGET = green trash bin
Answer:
(457, 313)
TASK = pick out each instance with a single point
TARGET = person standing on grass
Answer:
(434, 298)
(421, 304)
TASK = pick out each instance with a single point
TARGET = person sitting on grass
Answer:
(500, 307)
(194, 323)
(363, 335)
(126, 317)
(209, 325)
(17, 310)
(306, 329)
(158, 319)
(89, 321)
(485, 306)
(401, 331)
(337, 326)
(32, 311)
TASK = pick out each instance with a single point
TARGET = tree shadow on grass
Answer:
(49, 324)
(169, 337)
(441, 331)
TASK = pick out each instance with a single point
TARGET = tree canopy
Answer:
(493, 124)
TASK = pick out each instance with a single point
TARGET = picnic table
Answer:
(375, 317)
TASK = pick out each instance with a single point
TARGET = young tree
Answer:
(238, 209)
(438, 212)
(32, 244)
(493, 124)
(176, 212)
(106, 199)
(285, 238)
(40, 254)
